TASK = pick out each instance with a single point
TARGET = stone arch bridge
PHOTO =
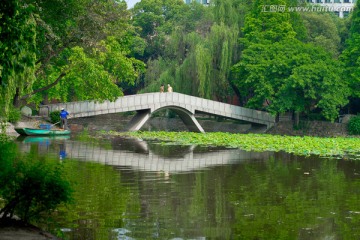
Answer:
(146, 104)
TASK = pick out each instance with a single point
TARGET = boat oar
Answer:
(55, 123)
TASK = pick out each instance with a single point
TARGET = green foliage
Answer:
(267, 28)
(324, 33)
(197, 58)
(351, 54)
(315, 117)
(291, 76)
(30, 187)
(354, 125)
(155, 18)
(230, 12)
(107, 67)
(14, 115)
(278, 72)
(84, 46)
(171, 114)
(17, 50)
(203, 61)
(55, 116)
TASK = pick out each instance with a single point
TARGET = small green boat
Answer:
(40, 132)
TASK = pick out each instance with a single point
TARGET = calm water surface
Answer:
(131, 189)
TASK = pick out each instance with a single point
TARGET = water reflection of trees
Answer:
(277, 196)
(305, 198)
(286, 201)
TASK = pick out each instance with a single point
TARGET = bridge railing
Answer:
(155, 101)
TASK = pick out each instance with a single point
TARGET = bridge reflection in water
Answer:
(143, 156)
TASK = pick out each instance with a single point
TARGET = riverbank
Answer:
(17, 230)
(117, 122)
(310, 128)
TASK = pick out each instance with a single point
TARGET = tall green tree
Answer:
(291, 76)
(351, 54)
(75, 56)
(153, 19)
(17, 50)
(267, 27)
(198, 50)
(279, 73)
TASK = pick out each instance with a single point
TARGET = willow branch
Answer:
(46, 87)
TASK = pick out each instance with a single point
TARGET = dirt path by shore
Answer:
(23, 233)
(16, 230)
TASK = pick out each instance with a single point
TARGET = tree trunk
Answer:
(17, 100)
(237, 93)
(297, 119)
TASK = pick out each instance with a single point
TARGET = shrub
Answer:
(315, 117)
(14, 115)
(354, 125)
(171, 113)
(55, 116)
(30, 188)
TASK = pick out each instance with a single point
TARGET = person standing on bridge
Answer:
(162, 88)
(63, 118)
(170, 89)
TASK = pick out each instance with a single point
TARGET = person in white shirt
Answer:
(170, 89)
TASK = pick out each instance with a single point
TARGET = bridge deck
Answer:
(156, 101)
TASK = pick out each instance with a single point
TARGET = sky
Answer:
(131, 3)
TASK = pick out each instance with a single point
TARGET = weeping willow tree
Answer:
(205, 70)
(203, 65)
(223, 42)
(198, 62)
(17, 51)
(231, 12)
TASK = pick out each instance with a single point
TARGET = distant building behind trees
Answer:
(199, 1)
(341, 8)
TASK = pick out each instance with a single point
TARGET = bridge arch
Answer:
(186, 116)
(147, 103)
(142, 116)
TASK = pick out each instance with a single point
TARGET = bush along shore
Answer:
(30, 190)
(339, 147)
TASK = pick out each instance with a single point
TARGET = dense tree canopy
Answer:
(65, 50)
(291, 76)
(279, 73)
(85, 52)
(324, 33)
(351, 54)
(199, 50)
(17, 50)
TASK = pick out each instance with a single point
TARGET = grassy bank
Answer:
(327, 147)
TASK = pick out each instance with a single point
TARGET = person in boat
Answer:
(63, 117)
